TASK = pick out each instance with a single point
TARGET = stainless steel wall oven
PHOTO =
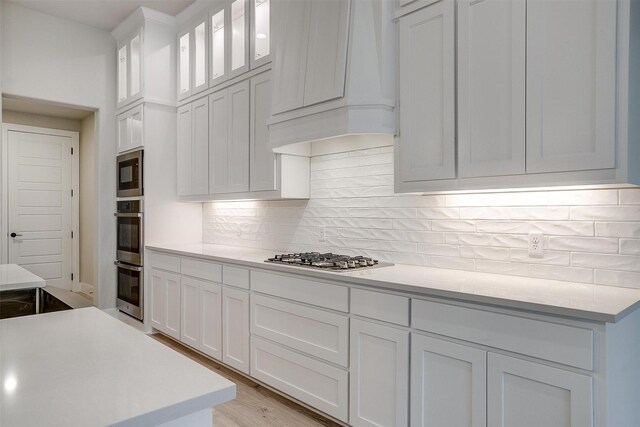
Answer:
(129, 256)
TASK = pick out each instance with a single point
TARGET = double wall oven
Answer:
(130, 235)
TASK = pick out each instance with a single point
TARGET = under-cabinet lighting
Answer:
(261, 36)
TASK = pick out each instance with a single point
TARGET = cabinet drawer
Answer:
(381, 306)
(316, 332)
(202, 269)
(296, 288)
(235, 276)
(315, 383)
(164, 262)
(564, 344)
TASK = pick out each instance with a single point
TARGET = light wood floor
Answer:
(255, 405)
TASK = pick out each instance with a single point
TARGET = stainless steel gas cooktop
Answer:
(327, 261)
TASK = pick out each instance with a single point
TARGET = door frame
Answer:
(75, 201)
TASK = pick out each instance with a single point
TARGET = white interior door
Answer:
(40, 181)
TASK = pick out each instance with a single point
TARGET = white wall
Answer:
(87, 200)
(591, 236)
(28, 119)
(60, 61)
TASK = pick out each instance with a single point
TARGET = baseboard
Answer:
(86, 288)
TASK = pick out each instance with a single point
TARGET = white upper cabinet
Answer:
(491, 89)
(193, 148)
(542, 95)
(571, 84)
(130, 129)
(145, 69)
(427, 90)
(239, 40)
(333, 70)
(192, 59)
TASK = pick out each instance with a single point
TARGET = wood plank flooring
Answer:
(255, 405)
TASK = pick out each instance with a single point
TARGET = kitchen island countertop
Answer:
(13, 277)
(577, 300)
(82, 367)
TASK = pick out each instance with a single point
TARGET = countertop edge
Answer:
(505, 303)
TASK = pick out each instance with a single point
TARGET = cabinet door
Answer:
(190, 311)
(529, 394)
(211, 319)
(448, 383)
(291, 19)
(200, 63)
(262, 163)
(379, 381)
(124, 132)
(427, 119)
(184, 150)
(135, 67)
(239, 37)
(260, 33)
(327, 51)
(218, 142)
(137, 129)
(200, 147)
(491, 87)
(218, 45)
(238, 138)
(235, 332)
(157, 303)
(172, 304)
(571, 85)
(123, 73)
(184, 65)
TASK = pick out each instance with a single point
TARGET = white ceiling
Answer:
(103, 14)
(23, 105)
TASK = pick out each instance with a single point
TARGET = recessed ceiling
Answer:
(24, 105)
(103, 14)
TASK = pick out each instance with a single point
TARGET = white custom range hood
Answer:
(334, 72)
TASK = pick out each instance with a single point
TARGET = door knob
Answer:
(15, 235)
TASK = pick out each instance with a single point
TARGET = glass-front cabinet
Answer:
(130, 69)
(260, 33)
(234, 38)
(192, 59)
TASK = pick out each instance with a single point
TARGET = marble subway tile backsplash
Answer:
(590, 236)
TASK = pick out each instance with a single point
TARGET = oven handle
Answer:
(127, 266)
(127, 215)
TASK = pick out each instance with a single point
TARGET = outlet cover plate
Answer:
(536, 249)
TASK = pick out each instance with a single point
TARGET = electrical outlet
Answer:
(535, 245)
(322, 237)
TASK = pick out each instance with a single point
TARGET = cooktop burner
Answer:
(327, 261)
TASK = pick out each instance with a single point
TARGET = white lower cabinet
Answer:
(201, 312)
(165, 302)
(448, 383)
(379, 381)
(530, 394)
(315, 383)
(235, 332)
(210, 342)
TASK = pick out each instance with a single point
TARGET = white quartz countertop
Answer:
(12, 277)
(578, 300)
(85, 368)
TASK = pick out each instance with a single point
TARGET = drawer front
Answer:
(315, 383)
(202, 269)
(164, 262)
(381, 306)
(564, 344)
(298, 289)
(316, 332)
(235, 276)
